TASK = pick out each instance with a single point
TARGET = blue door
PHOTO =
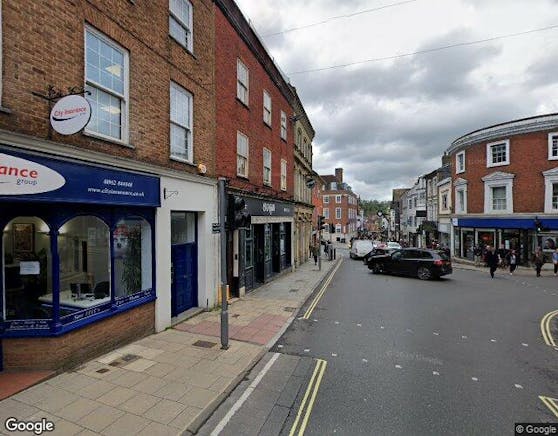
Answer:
(184, 277)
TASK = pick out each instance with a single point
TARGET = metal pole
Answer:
(319, 249)
(223, 235)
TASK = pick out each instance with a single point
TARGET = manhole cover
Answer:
(204, 344)
(293, 290)
(102, 370)
(130, 357)
(289, 309)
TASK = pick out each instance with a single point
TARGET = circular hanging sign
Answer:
(70, 114)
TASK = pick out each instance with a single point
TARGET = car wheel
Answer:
(351, 255)
(377, 269)
(424, 273)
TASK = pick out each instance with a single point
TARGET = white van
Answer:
(360, 248)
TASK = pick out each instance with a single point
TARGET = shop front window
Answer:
(249, 247)
(132, 256)
(84, 251)
(26, 269)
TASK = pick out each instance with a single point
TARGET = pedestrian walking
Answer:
(315, 253)
(555, 260)
(538, 260)
(477, 253)
(492, 260)
(512, 261)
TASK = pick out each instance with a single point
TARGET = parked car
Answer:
(394, 245)
(377, 252)
(360, 248)
(422, 263)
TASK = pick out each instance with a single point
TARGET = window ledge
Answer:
(268, 125)
(188, 50)
(240, 176)
(5, 110)
(108, 139)
(242, 103)
(184, 161)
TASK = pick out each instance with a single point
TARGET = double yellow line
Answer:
(545, 328)
(321, 293)
(551, 404)
(300, 423)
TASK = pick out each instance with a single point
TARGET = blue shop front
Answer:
(77, 251)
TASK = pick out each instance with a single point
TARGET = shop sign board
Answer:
(26, 177)
(257, 207)
(70, 114)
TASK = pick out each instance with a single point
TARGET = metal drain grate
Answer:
(289, 309)
(204, 344)
(127, 358)
(102, 370)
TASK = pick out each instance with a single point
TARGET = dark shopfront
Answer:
(77, 249)
(505, 234)
(265, 248)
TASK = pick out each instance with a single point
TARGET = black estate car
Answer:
(422, 263)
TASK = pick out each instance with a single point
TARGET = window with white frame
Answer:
(338, 228)
(445, 201)
(242, 152)
(266, 166)
(242, 82)
(460, 196)
(497, 153)
(551, 190)
(553, 146)
(338, 199)
(410, 203)
(326, 213)
(326, 199)
(333, 186)
(267, 108)
(283, 175)
(181, 147)
(498, 192)
(180, 22)
(283, 125)
(460, 162)
(338, 213)
(106, 80)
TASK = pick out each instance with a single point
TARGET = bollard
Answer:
(335, 253)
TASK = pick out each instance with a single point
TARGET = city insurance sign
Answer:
(70, 114)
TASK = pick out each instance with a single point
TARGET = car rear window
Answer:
(426, 255)
(443, 255)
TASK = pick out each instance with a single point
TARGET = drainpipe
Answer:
(223, 239)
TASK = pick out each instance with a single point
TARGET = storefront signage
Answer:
(257, 207)
(134, 297)
(70, 114)
(27, 324)
(22, 176)
(25, 177)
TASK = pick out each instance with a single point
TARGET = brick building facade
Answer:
(505, 178)
(90, 245)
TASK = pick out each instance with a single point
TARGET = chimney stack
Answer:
(339, 175)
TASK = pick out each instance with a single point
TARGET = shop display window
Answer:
(27, 268)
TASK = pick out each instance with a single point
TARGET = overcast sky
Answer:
(388, 121)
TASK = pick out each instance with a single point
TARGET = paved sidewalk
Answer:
(547, 269)
(170, 382)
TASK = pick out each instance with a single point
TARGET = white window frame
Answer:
(460, 168)
(338, 213)
(326, 213)
(283, 132)
(337, 228)
(338, 199)
(189, 128)
(124, 140)
(460, 187)
(283, 175)
(266, 108)
(550, 178)
(267, 154)
(496, 180)
(489, 163)
(239, 138)
(244, 98)
(188, 27)
(551, 136)
(326, 199)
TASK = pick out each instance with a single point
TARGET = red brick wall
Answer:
(43, 43)
(528, 159)
(344, 205)
(232, 115)
(80, 345)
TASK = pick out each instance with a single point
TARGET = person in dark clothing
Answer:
(492, 260)
(315, 253)
(538, 260)
(512, 261)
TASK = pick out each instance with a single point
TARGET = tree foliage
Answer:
(371, 207)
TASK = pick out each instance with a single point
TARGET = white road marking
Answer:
(307, 350)
(463, 337)
(382, 327)
(492, 340)
(336, 322)
(436, 333)
(333, 354)
(359, 325)
(365, 360)
(524, 344)
(279, 346)
(474, 379)
(244, 396)
(435, 373)
(518, 386)
(556, 348)
(315, 320)
(398, 366)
